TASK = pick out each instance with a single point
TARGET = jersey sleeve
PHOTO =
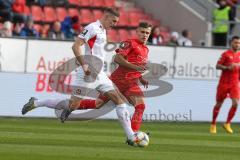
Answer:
(124, 48)
(87, 33)
(222, 59)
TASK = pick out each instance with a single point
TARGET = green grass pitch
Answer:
(48, 139)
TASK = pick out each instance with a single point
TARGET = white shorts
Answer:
(85, 84)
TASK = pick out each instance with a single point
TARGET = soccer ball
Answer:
(141, 139)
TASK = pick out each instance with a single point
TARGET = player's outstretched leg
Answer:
(49, 103)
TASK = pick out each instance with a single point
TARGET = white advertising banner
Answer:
(45, 56)
(163, 56)
(197, 63)
(190, 100)
(12, 55)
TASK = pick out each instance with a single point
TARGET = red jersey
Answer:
(134, 52)
(229, 77)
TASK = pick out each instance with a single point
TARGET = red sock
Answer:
(231, 114)
(137, 117)
(215, 114)
(87, 104)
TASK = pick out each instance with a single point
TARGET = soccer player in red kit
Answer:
(228, 84)
(132, 56)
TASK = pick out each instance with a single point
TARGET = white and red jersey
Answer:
(95, 37)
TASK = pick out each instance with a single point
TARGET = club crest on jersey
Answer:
(84, 32)
(124, 45)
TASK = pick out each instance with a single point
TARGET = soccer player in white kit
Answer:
(94, 38)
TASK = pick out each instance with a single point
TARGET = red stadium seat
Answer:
(123, 19)
(145, 17)
(166, 37)
(1, 25)
(123, 34)
(37, 27)
(97, 14)
(109, 3)
(112, 35)
(61, 13)
(73, 12)
(98, 3)
(74, 2)
(37, 13)
(27, 10)
(50, 15)
(85, 3)
(86, 16)
(136, 10)
(45, 29)
(134, 19)
(133, 34)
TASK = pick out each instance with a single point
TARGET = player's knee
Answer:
(140, 107)
(99, 103)
(74, 103)
(234, 104)
(219, 104)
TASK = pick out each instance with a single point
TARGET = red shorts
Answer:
(126, 87)
(224, 90)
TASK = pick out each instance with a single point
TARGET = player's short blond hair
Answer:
(112, 11)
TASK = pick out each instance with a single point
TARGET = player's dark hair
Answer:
(144, 25)
(112, 11)
(235, 37)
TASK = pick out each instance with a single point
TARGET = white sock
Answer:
(124, 119)
(52, 103)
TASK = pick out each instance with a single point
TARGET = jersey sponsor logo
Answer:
(78, 91)
(125, 45)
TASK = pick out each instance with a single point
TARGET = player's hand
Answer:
(141, 69)
(144, 82)
(233, 66)
(86, 69)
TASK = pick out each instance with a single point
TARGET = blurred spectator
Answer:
(221, 16)
(41, 2)
(71, 27)
(28, 30)
(19, 7)
(55, 32)
(8, 13)
(67, 29)
(173, 39)
(76, 25)
(6, 31)
(233, 4)
(185, 39)
(155, 37)
(17, 29)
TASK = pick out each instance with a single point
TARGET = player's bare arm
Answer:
(78, 54)
(144, 82)
(229, 67)
(119, 59)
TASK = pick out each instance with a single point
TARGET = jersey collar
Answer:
(100, 25)
(139, 42)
